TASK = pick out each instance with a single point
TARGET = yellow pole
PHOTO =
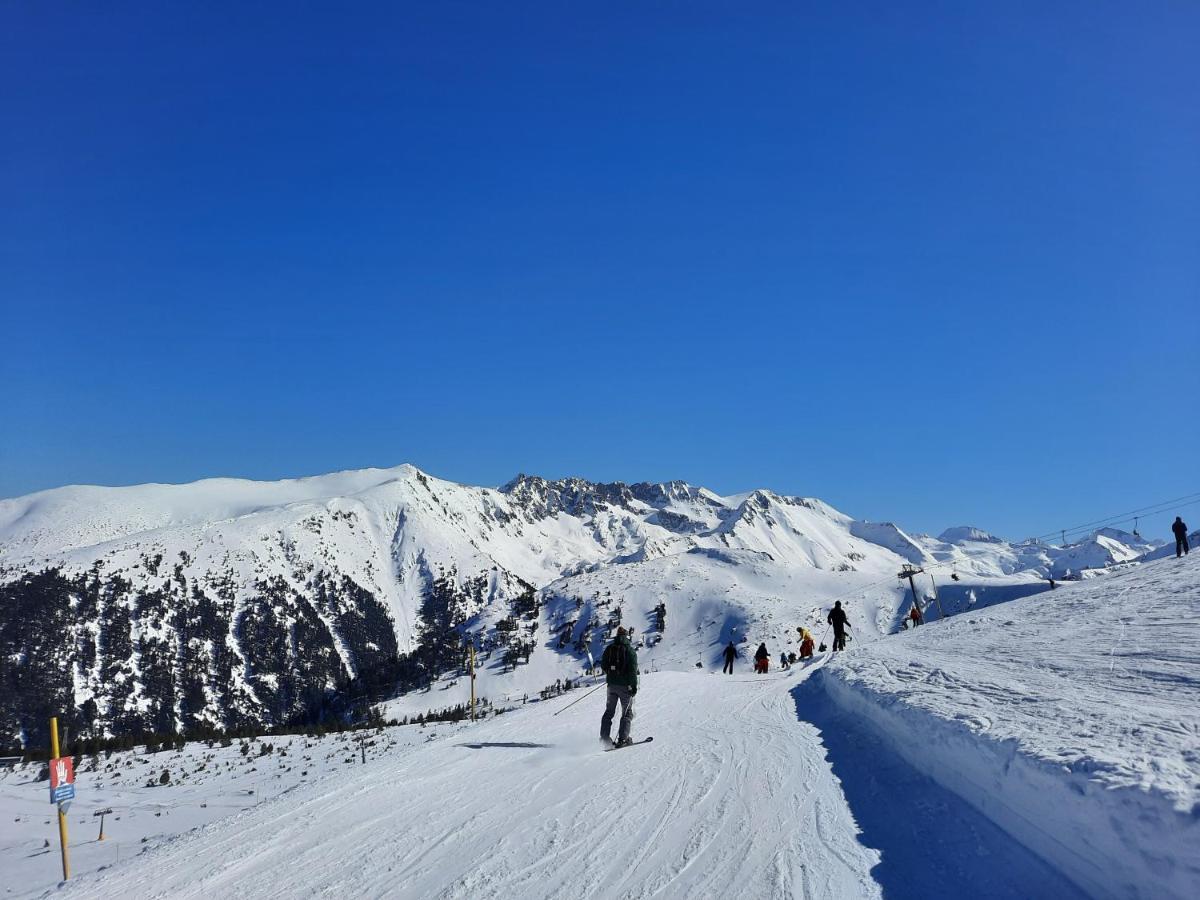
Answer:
(62, 816)
(472, 657)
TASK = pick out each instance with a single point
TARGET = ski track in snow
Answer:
(734, 796)
(528, 805)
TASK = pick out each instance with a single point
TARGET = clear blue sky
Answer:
(933, 262)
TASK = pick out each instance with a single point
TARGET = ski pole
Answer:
(585, 696)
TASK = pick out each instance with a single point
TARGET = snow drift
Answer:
(1072, 720)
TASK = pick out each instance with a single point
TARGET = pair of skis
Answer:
(635, 743)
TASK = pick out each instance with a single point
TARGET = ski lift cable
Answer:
(1186, 500)
(1149, 511)
(1141, 512)
(1117, 520)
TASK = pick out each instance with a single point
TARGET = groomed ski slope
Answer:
(735, 797)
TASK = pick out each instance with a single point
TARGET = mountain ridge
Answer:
(228, 601)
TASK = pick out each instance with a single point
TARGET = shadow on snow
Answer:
(932, 844)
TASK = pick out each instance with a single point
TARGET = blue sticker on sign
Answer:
(62, 792)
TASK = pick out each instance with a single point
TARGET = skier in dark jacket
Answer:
(762, 659)
(730, 656)
(1180, 531)
(621, 673)
(838, 619)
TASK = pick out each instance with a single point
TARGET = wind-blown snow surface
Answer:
(1071, 719)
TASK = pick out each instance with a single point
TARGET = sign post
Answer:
(62, 790)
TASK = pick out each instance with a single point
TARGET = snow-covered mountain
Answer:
(1028, 750)
(972, 550)
(228, 602)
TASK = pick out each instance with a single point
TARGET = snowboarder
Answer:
(914, 615)
(806, 644)
(838, 619)
(730, 656)
(1180, 531)
(621, 674)
(762, 659)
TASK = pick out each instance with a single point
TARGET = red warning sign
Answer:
(62, 779)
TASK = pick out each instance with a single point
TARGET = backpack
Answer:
(615, 660)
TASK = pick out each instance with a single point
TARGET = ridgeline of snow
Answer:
(976, 552)
(349, 559)
(962, 533)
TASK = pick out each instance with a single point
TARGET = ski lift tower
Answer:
(911, 572)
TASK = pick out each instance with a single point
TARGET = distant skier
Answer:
(838, 619)
(621, 673)
(806, 644)
(783, 663)
(730, 656)
(1181, 543)
(762, 659)
(914, 615)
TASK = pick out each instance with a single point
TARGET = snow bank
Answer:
(1070, 719)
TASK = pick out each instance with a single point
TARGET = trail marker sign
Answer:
(62, 779)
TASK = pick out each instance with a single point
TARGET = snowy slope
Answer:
(710, 597)
(208, 783)
(1072, 719)
(734, 797)
(1168, 549)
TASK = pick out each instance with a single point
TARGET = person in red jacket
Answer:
(762, 659)
(914, 615)
(806, 644)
